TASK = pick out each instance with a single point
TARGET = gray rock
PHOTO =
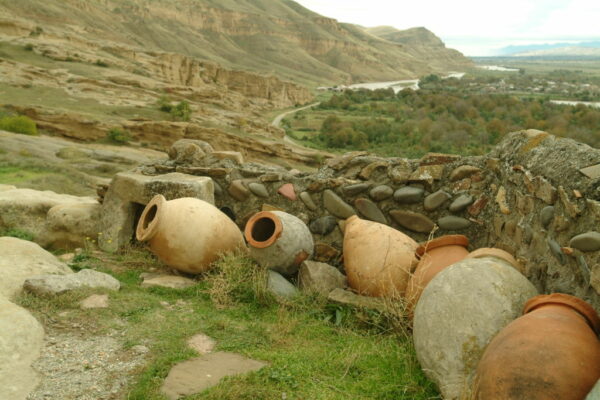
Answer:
(21, 340)
(308, 201)
(435, 200)
(555, 250)
(461, 202)
(589, 241)
(353, 190)
(198, 374)
(320, 277)
(323, 225)
(280, 286)
(453, 223)
(547, 215)
(258, 189)
(381, 192)
(414, 221)
(55, 284)
(409, 195)
(190, 151)
(370, 210)
(20, 260)
(336, 206)
(349, 298)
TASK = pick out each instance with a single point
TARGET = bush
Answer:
(18, 124)
(28, 47)
(182, 111)
(118, 136)
(101, 63)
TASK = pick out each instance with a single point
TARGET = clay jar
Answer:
(551, 352)
(278, 241)
(434, 256)
(378, 259)
(463, 307)
(187, 234)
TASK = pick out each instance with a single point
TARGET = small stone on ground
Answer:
(95, 301)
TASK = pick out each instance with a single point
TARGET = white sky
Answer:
(475, 27)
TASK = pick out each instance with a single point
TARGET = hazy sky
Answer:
(475, 27)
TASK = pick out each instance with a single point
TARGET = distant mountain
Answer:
(569, 51)
(268, 36)
(523, 49)
(422, 44)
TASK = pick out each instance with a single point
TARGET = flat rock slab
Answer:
(169, 281)
(201, 343)
(349, 298)
(56, 284)
(94, 301)
(198, 374)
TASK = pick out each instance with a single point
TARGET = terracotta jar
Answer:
(434, 256)
(278, 241)
(187, 234)
(459, 312)
(551, 352)
(378, 259)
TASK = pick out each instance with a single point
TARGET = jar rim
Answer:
(580, 306)
(447, 240)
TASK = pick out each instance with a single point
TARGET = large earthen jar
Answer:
(278, 241)
(551, 352)
(459, 312)
(378, 259)
(434, 256)
(187, 234)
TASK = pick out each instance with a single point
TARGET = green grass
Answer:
(44, 177)
(17, 233)
(18, 124)
(314, 350)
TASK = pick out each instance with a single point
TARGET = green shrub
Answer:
(28, 47)
(17, 233)
(18, 124)
(182, 111)
(118, 136)
(164, 104)
(101, 63)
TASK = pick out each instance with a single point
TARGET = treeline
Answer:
(436, 119)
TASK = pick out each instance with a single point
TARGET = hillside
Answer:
(279, 37)
(424, 45)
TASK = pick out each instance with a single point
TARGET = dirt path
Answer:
(277, 121)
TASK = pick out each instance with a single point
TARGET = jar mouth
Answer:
(493, 252)
(149, 220)
(582, 307)
(448, 240)
(263, 229)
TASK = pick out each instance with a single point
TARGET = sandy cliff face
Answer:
(279, 37)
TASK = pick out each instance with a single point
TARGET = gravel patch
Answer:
(79, 367)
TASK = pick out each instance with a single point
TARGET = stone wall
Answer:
(531, 196)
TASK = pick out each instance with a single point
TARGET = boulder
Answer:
(21, 259)
(21, 340)
(27, 210)
(320, 277)
(190, 151)
(71, 225)
(56, 284)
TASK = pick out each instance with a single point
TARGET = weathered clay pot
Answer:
(279, 241)
(551, 352)
(434, 256)
(497, 253)
(187, 234)
(459, 312)
(378, 259)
